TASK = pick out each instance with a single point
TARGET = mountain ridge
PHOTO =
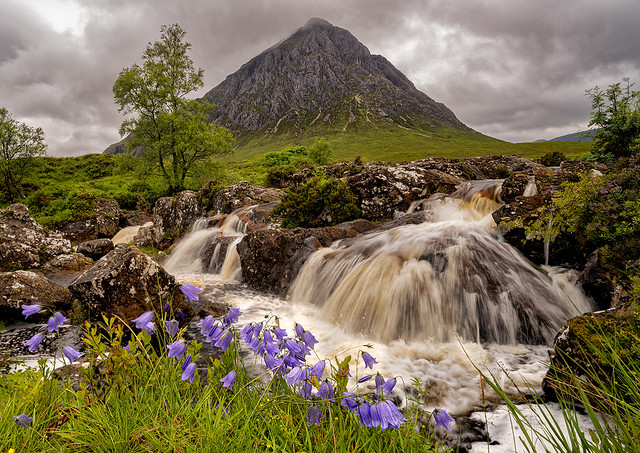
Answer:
(321, 81)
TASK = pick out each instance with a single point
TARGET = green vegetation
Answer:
(616, 113)
(319, 201)
(320, 152)
(553, 159)
(172, 129)
(397, 145)
(150, 397)
(19, 144)
(604, 385)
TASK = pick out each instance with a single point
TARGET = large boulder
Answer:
(96, 248)
(126, 283)
(172, 217)
(383, 190)
(271, 259)
(586, 345)
(24, 243)
(98, 218)
(26, 287)
(235, 196)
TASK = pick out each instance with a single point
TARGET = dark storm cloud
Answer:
(516, 70)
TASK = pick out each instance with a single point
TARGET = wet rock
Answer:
(513, 218)
(256, 217)
(172, 217)
(597, 281)
(103, 222)
(24, 243)
(271, 259)
(126, 282)
(63, 264)
(25, 287)
(583, 346)
(215, 251)
(96, 248)
(514, 186)
(235, 196)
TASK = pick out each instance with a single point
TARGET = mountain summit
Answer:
(322, 81)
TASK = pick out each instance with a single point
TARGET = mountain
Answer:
(584, 136)
(321, 81)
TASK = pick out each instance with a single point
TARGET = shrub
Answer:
(601, 212)
(320, 152)
(276, 176)
(553, 159)
(319, 201)
(283, 157)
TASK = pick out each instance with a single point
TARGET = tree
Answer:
(320, 152)
(172, 128)
(616, 113)
(19, 144)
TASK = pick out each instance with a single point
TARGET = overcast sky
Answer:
(512, 69)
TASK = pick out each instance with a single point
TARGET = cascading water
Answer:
(448, 276)
(186, 258)
(452, 274)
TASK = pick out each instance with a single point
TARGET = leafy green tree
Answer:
(616, 113)
(173, 129)
(19, 144)
(320, 152)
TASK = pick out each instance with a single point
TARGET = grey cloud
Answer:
(516, 70)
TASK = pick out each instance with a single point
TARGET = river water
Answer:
(434, 303)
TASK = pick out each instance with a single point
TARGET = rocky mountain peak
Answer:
(322, 80)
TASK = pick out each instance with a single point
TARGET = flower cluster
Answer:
(53, 324)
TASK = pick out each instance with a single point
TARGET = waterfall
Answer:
(186, 257)
(531, 188)
(451, 276)
(128, 234)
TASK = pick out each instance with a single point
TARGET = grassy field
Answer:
(135, 184)
(397, 145)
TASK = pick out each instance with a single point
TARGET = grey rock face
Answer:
(127, 283)
(103, 223)
(236, 196)
(24, 243)
(25, 287)
(172, 216)
(96, 248)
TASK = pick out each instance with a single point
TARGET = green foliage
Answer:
(320, 152)
(285, 157)
(616, 113)
(19, 144)
(319, 201)
(600, 211)
(553, 159)
(136, 401)
(605, 387)
(173, 129)
(277, 176)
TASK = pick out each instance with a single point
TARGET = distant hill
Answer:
(322, 82)
(580, 137)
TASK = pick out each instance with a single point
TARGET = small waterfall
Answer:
(439, 279)
(480, 197)
(232, 268)
(532, 188)
(128, 234)
(187, 256)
